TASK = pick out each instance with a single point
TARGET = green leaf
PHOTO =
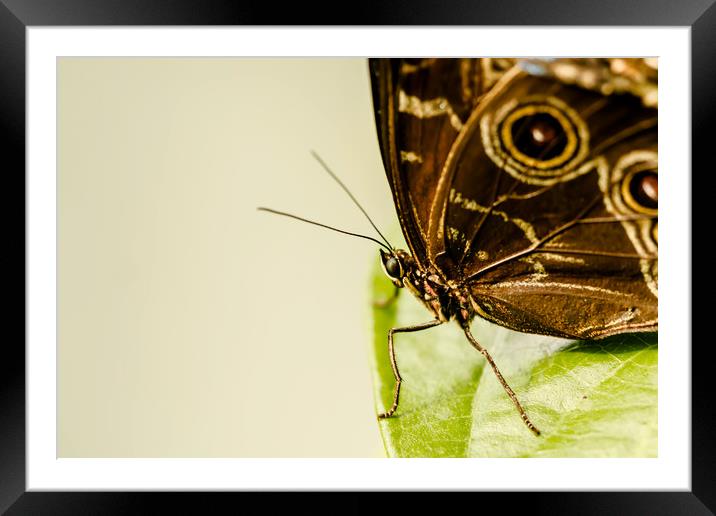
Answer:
(589, 398)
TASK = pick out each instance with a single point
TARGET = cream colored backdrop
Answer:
(189, 324)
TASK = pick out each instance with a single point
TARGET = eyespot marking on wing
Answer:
(537, 140)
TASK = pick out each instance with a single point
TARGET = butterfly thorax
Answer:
(442, 297)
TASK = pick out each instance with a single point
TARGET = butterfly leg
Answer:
(394, 365)
(385, 303)
(500, 378)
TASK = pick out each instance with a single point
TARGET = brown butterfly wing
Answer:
(549, 239)
(420, 107)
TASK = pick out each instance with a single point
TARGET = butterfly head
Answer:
(396, 265)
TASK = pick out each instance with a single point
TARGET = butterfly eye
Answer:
(393, 268)
(640, 190)
(391, 265)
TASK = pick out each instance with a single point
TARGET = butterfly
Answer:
(527, 193)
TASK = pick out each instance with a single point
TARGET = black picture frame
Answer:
(17, 15)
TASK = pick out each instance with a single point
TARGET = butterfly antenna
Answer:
(323, 226)
(345, 189)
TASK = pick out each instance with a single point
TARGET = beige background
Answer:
(189, 324)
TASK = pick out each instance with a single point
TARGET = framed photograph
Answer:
(364, 258)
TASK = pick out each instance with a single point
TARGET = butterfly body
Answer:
(444, 298)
